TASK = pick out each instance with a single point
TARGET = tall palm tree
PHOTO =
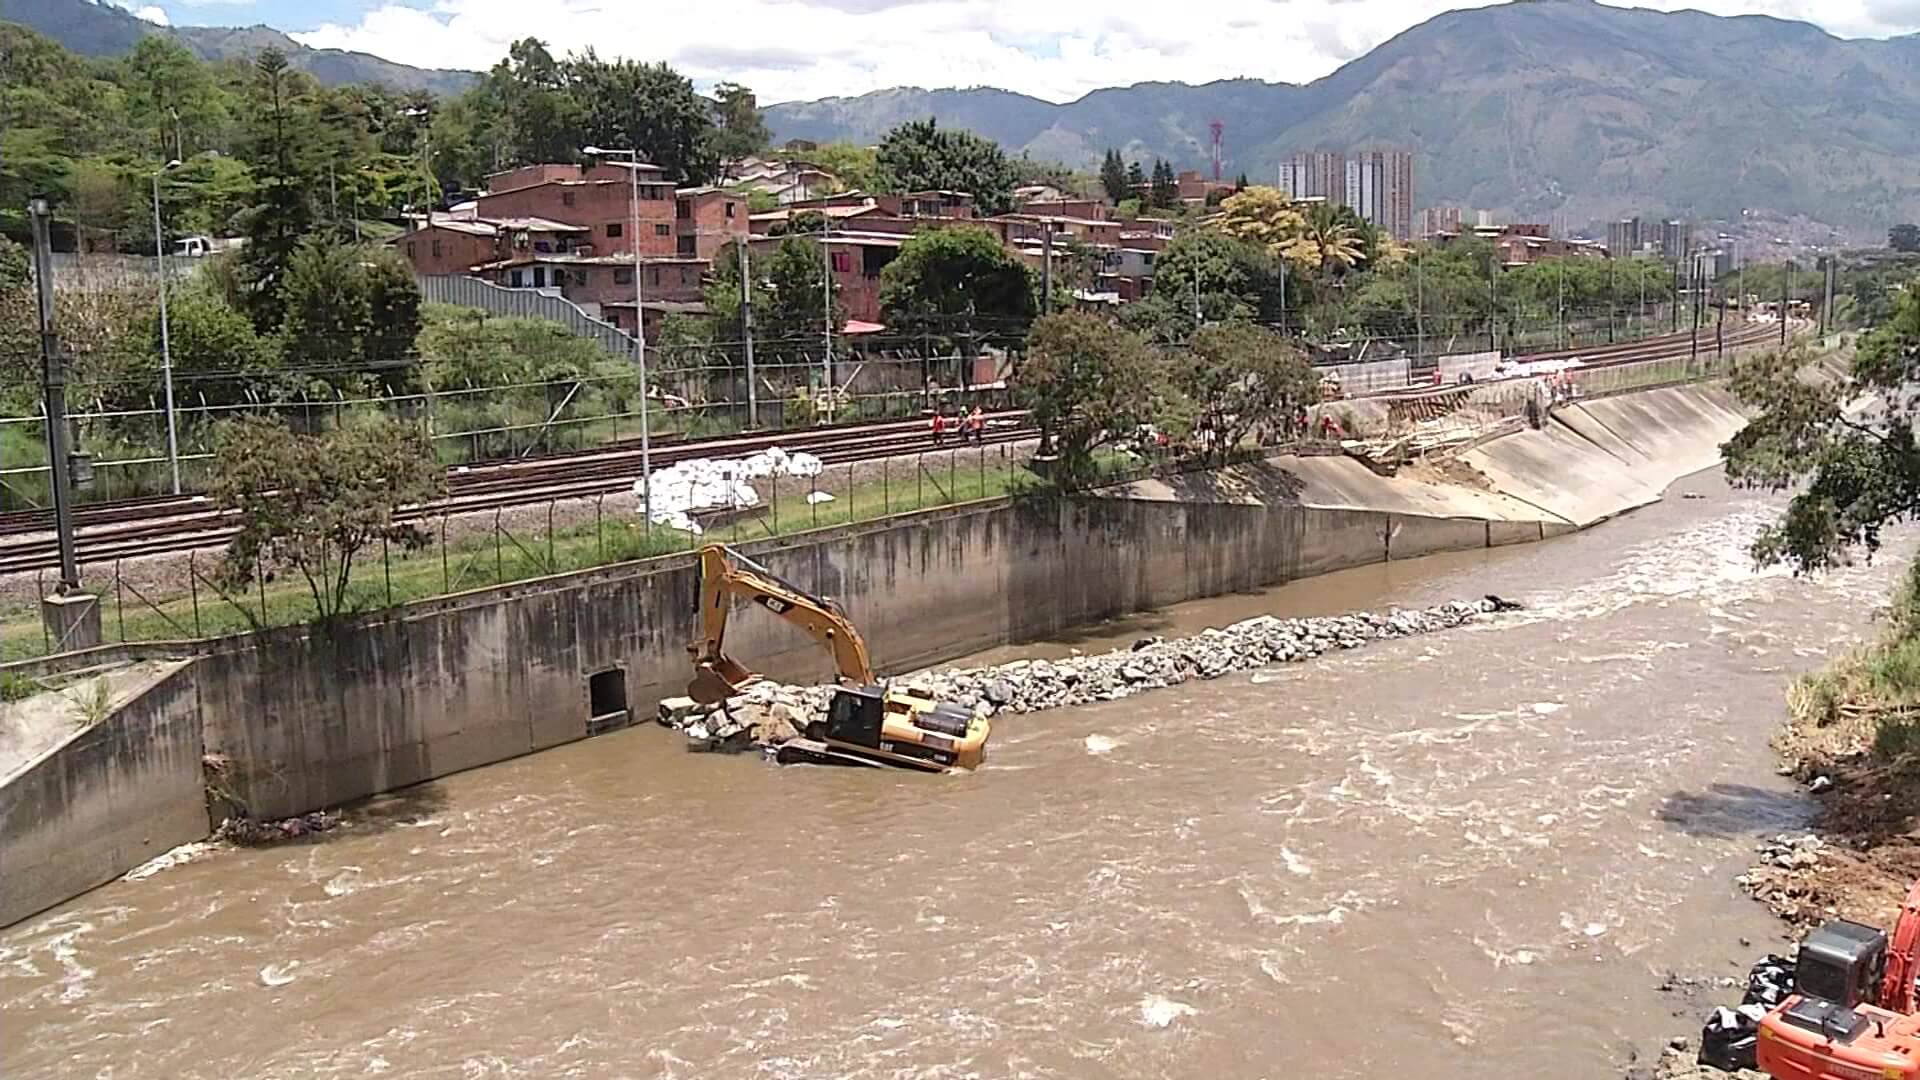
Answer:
(1334, 241)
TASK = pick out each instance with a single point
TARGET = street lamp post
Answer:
(639, 325)
(166, 342)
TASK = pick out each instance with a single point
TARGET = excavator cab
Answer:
(1833, 1025)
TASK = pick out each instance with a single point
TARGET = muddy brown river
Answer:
(1467, 854)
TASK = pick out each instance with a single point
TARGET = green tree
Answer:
(921, 156)
(1228, 277)
(1165, 192)
(1113, 177)
(281, 152)
(856, 167)
(1136, 182)
(171, 95)
(1087, 383)
(540, 120)
(792, 322)
(313, 503)
(1904, 238)
(952, 282)
(649, 106)
(1853, 473)
(218, 358)
(349, 314)
(740, 131)
(1238, 378)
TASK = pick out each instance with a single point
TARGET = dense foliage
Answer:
(1845, 446)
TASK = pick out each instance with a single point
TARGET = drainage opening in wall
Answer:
(606, 700)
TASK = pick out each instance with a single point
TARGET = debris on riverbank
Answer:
(770, 713)
(1852, 740)
(250, 833)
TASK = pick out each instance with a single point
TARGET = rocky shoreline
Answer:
(770, 713)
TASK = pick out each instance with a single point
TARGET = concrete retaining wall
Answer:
(108, 799)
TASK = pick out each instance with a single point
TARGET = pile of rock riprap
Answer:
(769, 713)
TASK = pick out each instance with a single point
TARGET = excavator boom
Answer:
(868, 723)
(726, 574)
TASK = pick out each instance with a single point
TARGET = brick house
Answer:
(603, 284)
(707, 219)
(447, 245)
(597, 196)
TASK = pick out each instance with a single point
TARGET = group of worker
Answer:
(972, 426)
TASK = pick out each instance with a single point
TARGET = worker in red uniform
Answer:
(939, 427)
(976, 426)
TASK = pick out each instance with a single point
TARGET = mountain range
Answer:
(1566, 109)
(98, 29)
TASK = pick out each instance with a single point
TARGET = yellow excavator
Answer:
(868, 723)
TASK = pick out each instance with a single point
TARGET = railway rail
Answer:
(167, 525)
(135, 528)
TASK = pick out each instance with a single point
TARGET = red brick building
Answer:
(599, 197)
(452, 245)
(706, 219)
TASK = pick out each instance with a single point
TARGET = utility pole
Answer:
(1786, 285)
(1560, 331)
(166, 342)
(746, 332)
(71, 617)
(1419, 307)
(826, 320)
(1046, 270)
(1693, 279)
(1673, 309)
(1640, 319)
(1611, 296)
(639, 322)
(1826, 309)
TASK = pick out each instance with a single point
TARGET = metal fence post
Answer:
(886, 506)
(446, 580)
(550, 563)
(919, 480)
(499, 558)
(386, 563)
(120, 600)
(260, 579)
(813, 488)
(599, 537)
(193, 590)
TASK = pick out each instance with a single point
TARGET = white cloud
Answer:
(151, 13)
(795, 49)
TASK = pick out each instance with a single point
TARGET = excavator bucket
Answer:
(717, 680)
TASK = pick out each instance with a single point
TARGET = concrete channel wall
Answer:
(308, 719)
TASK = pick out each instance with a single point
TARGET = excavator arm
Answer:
(725, 575)
(1903, 950)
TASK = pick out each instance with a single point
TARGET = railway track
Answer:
(136, 528)
(170, 525)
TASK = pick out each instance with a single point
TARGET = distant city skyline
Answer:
(803, 49)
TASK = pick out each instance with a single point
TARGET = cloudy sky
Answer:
(795, 49)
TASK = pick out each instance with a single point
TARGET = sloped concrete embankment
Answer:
(303, 719)
(1600, 458)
